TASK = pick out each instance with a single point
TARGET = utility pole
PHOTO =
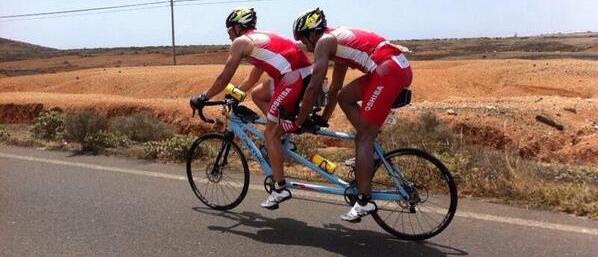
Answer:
(172, 23)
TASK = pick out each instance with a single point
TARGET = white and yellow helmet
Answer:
(312, 20)
(244, 16)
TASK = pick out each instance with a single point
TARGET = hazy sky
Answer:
(204, 24)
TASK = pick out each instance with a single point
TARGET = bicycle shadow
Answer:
(334, 238)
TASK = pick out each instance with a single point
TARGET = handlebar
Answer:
(227, 102)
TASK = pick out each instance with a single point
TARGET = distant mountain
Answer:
(15, 50)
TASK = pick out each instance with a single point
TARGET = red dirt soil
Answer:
(495, 101)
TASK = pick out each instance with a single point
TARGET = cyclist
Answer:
(386, 73)
(289, 70)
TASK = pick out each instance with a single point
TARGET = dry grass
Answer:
(488, 173)
(19, 135)
(141, 128)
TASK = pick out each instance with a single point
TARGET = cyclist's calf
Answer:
(272, 136)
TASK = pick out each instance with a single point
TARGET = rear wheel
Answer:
(217, 171)
(432, 200)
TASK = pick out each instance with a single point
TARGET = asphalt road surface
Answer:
(58, 204)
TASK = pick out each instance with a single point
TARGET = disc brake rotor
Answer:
(214, 174)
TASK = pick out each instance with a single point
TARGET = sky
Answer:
(204, 24)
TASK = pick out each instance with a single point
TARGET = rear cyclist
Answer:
(289, 71)
(386, 73)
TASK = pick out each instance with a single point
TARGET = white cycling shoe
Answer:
(357, 211)
(275, 198)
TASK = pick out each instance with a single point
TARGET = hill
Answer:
(35, 59)
(14, 50)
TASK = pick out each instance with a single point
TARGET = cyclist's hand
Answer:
(289, 126)
(198, 101)
(318, 120)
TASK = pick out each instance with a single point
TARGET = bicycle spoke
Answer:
(218, 171)
(430, 192)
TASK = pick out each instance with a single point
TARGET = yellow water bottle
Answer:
(235, 92)
(324, 164)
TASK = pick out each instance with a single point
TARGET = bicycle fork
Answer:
(221, 159)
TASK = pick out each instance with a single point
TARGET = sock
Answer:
(363, 199)
(280, 185)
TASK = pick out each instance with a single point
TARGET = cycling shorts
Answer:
(380, 87)
(288, 92)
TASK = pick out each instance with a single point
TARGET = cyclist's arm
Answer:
(325, 48)
(240, 48)
(338, 77)
(252, 79)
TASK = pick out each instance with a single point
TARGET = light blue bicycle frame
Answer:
(238, 127)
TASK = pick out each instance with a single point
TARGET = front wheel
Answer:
(432, 200)
(217, 171)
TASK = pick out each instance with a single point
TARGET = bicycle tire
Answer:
(452, 198)
(195, 159)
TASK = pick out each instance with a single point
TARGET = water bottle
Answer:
(235, 92)
(322, 98)
(324, 164)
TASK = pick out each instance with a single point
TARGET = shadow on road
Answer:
(334, 238)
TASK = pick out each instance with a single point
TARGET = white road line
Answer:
(95, 167)
(462, 214)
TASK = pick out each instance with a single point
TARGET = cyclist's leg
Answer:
(366, 133)
(279, 192)
(378, 90)
(272, 134)
(261, 95)
(286, 94)
(347, 99)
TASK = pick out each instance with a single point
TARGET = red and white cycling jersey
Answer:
(361, 49)
(386, 68)
(276, 55)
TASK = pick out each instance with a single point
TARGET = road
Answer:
(59, 204)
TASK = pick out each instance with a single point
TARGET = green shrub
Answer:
(48, 125)
(4, 135)
(174, 148)
(106, 139)
(141, 128)
(84, 128)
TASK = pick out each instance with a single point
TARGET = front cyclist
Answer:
(386, 73)
(289, 70)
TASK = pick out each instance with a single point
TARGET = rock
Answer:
(570, 109)
(451, 112)
(549, 122)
